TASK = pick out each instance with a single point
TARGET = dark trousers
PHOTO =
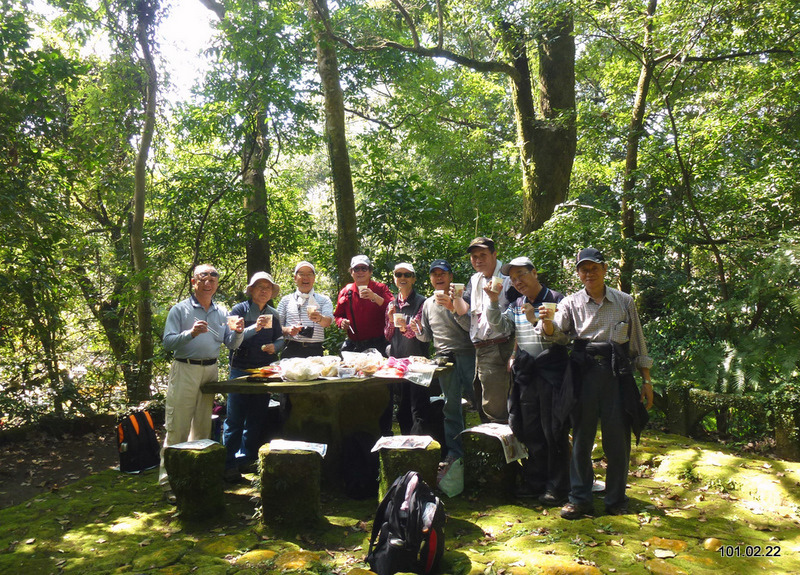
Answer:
(299, 349)
(599, 398)
(413, 406)
(547, 465)
(379, 343)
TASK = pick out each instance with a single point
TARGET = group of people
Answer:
(525, 354)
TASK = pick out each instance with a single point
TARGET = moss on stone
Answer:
(485, 467)
(290, 487)
(397, 462)
(195, 476)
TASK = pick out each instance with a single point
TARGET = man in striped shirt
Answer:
(538, 367)
(304, 315)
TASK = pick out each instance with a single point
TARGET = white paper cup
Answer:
(552, 307)
(458, 289)
(232, 321)
(362, 290)
(497, 283)
(399, 320)
(438, 292)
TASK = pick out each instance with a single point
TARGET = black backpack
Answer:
(408, 532)
(137, 443)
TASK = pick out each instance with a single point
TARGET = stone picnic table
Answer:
(323, 410)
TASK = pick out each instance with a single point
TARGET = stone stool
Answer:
(195, 470)
(290, 485)
(397, 461)
(485, 467)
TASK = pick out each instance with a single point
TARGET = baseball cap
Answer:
(440, 265)
(481, 242)
(405, 266)
(360, 260)
(589, 255)
(520, 262)
(263, 276)
(304, 264)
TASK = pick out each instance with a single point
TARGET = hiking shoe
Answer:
(550, 499)
(444, 466)
(576, 510)
(621, 509)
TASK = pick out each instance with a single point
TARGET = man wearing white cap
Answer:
(361, 308)
(246, 416)
(194, 330)
(304, 315)
(402, 315)
(538, 370)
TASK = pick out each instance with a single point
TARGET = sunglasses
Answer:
(206, 275)
(403, 275)
(361, 269)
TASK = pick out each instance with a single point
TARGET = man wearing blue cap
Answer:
(450, 334)
(607, 340)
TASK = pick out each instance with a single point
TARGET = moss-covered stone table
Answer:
(323, 411)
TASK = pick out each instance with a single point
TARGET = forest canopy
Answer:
(664, 133)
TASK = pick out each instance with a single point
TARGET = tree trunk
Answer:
(555, 133)
(254, 158)
(635, 133)
(336, 139)
(144, 314)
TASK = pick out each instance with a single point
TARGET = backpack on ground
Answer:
(137, 443)
(408, 532)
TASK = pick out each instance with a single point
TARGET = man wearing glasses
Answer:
(304, 315)
(361, 308)
(194, 330)
(538, 370)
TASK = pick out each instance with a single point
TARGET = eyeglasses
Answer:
(306, 276)
(206, 275)
(361, 269)
(403, 275)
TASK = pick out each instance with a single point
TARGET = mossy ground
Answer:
(682, 493)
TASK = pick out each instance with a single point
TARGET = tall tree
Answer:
(336, 139)
(462, 34)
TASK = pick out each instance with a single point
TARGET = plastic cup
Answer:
(267, 320)
(438, 292)
(497, 283)
(552, 307)
(399, 320)
(232, 321)
(458, 290)
(312, 309)
(362, 291)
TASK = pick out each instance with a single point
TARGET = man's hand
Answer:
(292, 330)
(199, 327)
(530, 313)
(647, 394)
(345, 325)
(494, 296)
(239, 327)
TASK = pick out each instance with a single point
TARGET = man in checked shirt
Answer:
(605, 330)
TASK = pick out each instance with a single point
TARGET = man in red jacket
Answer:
(361, 308)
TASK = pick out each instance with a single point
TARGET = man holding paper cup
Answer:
(493, 346)
(194, 330)
(361, 308)
(246, 417)
(607, 342)
(538, 371)
(304, 315)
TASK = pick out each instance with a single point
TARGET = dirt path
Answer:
(43, 463)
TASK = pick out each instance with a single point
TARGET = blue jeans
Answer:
(455, 385)
(245, 423)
